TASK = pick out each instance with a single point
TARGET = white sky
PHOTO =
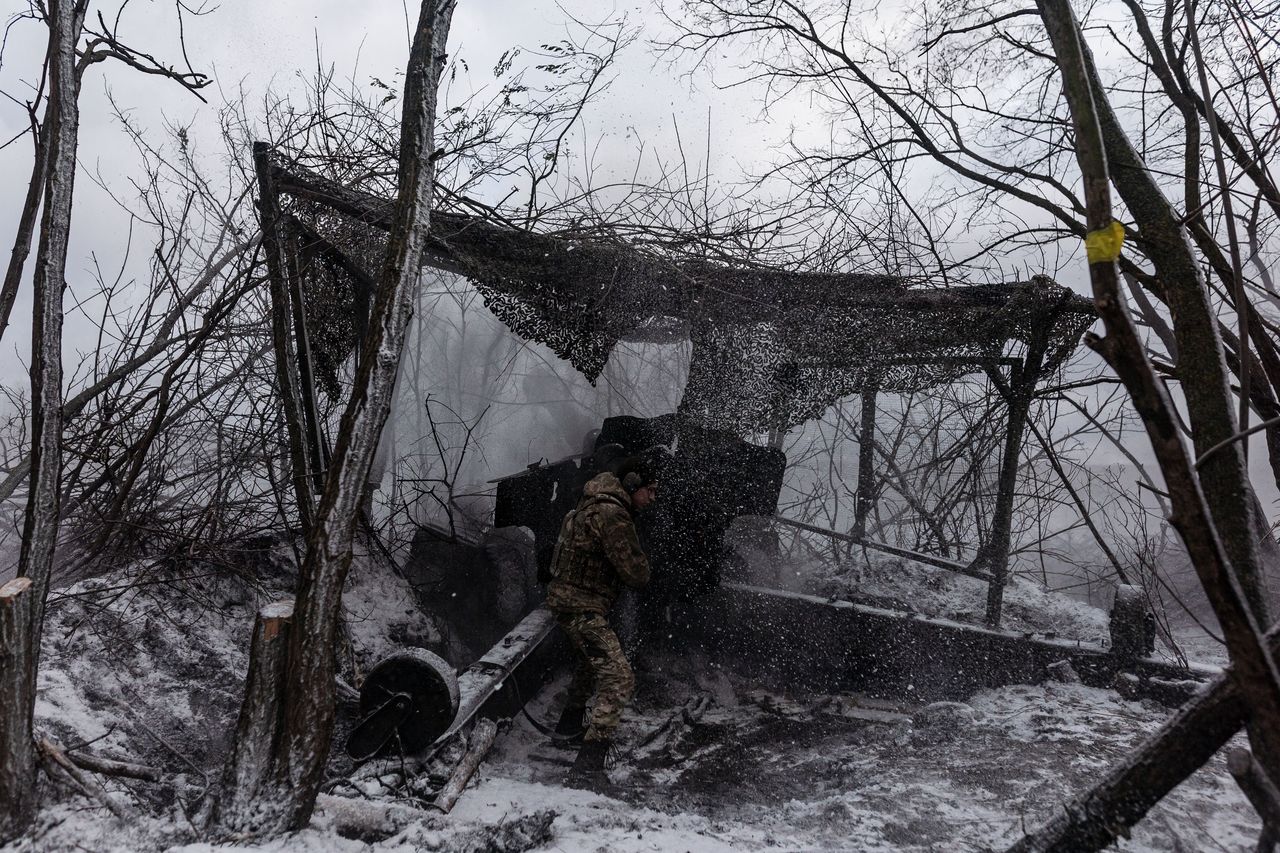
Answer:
(257, 46)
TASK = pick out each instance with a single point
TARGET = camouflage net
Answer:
(771, 348)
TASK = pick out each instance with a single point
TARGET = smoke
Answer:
(475, 402)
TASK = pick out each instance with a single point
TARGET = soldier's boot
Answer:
(588, 770)
(571, 727)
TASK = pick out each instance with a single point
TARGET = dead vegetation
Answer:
(191, 444)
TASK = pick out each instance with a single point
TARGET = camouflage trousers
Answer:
(600, 669)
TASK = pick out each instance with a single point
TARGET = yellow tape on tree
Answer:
(1103, 245)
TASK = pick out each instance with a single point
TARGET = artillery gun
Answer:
(784, 638)
(413, 699)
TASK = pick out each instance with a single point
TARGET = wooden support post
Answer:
(866, 461)
(286, 372)
(1018, 391)
(250, 769)
(317, 451)
(17, 703)
(997, 549)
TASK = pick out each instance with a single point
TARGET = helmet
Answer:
(636, 472)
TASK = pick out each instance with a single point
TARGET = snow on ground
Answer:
(708, 761)
(147, 666)
(770, 771)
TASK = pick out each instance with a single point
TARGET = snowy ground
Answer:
(708, 761)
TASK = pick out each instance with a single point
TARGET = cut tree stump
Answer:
(250, 771)
(17, 701)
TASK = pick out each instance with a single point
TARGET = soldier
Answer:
(596, 553)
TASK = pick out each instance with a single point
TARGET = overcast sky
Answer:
(252, 47)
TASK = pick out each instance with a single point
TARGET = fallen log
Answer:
(1177, 749)
(368, 820)
(123, 769)
(56, 763)
(482, 738)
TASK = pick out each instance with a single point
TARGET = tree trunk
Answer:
(297, 757)
(17, 701)
(1250, 688)
(243, 810)
(1124, 796)
(1257, 786)
(318, 454)
(40, 529)
(1214, 508)
(1202, 366)
(40, 526)
(22, 240)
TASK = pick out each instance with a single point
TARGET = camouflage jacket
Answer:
(598, 551)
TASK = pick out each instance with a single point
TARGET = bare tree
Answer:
(40, 530)
(55, 167)
(275, 770)
(1011, 145)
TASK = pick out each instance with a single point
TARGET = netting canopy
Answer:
(770, 348)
